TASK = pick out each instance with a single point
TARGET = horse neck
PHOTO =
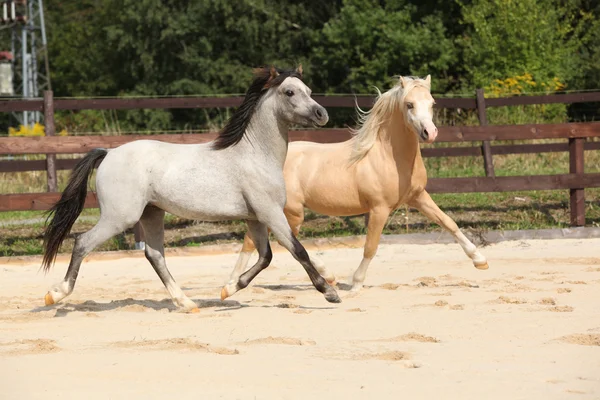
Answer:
(267, 136)
(400, 143)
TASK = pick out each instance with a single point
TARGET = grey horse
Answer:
(237, 176)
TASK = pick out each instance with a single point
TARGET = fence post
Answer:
(577, 196)
(488, 162)
(50, 131)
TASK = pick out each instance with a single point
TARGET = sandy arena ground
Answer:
(427, 326)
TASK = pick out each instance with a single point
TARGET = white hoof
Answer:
(56, 294)
(229, 289)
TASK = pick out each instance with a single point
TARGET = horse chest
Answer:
(399, 187)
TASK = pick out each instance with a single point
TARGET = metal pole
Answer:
(45, 44)
(24, 66)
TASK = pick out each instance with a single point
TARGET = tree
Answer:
(369, 41)
(505, 39)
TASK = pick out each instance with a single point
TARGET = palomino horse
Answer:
(237, 176)
(376, 171)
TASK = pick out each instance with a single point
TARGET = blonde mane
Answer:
(371, 122)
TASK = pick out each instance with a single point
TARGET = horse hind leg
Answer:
(240, 266)
(294, 214)
(152, 222)
(84, 244)
(260, 235)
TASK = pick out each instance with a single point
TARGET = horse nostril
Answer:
(319, 113)
(425, 134)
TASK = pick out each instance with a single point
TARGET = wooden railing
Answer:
(576, 137)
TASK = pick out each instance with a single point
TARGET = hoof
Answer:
(224, 293)
(482, 266)
(332, 297)
(48, 299)
(195, 310)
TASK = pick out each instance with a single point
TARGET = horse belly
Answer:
(202, 202)
(334, 196)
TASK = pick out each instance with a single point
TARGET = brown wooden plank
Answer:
(83, 144)
(577, 195)
(234, 101)
(36, 165)
(565, 98)
(472, 151)
(366, 102)
(512, 183)
(43, 201)
(198, 102)
(320, 136)
(518, 132)
(335, 136)
(37, 201)
(21, 105)
(148, 103)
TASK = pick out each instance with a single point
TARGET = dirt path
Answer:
(427, 326)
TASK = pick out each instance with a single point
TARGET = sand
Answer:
(428, 325)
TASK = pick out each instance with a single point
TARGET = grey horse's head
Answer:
(290, 98)
(293, 100)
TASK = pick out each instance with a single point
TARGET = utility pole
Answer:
(28, 55)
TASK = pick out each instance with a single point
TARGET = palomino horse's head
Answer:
(293, 100)
(417, 105)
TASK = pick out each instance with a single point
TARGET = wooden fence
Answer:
(576, 137)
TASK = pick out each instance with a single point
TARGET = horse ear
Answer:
(273, 72)
(428, 80)
(402, 81)
(299, 70)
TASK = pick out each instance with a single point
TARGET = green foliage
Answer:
(367, 42)
(509, 38)
(169, 47)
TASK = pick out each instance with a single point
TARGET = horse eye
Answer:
(289, 93)
(410, 106)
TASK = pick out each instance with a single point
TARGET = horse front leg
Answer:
(376, 221)
(425, 204)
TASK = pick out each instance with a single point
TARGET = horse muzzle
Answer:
(320, 116)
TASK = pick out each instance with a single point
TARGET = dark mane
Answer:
(264, 78)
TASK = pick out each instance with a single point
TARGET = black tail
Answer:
(65, 212)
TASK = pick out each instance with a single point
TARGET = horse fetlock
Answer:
(185, 304)
(478, 258)
(328, 276)
(356, 287)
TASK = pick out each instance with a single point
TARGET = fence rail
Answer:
(574, 134)
(234, 101)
